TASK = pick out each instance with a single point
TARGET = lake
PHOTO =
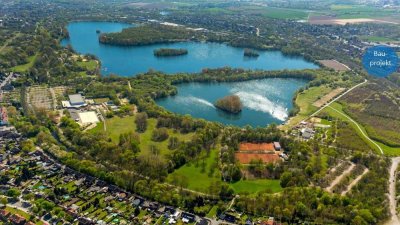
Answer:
(129, 61)
(265, 101)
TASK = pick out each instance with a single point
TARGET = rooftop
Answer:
(76, 99)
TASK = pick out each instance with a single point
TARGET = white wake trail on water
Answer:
(263, 104)
(189, 100)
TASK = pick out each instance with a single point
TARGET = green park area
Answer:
(202, 174)
(25, 67)
(119, 125)
(304, 100)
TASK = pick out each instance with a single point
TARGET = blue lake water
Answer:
(265, 101)
(128, 61)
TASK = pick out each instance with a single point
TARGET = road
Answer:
(394, 220)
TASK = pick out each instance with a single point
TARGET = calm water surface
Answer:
(265, 101)
(128, 61)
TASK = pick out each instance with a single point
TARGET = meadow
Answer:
(120, 125)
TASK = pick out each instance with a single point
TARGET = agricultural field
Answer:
(336, 111)
(273, 12)
(377, 109)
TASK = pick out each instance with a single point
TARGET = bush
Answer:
(160, 134)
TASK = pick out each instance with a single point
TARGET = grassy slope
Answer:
(305, 100)
(386, 149)
(117, 126)
(24, 67)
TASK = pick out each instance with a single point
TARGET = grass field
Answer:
(117, 126)
(386, 149)
(305, 100)
(88, 65)
(279, 13)
(376, 39)
(254, 186)
(25, 67)
(199, 179)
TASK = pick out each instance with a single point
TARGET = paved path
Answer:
(359, 128)
(339, 178)
(394, 220)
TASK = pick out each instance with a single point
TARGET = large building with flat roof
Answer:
(75, 101)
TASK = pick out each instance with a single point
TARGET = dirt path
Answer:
(355, 181)
(339, 178)
(359, 128)
(335, 99)
(394, 220)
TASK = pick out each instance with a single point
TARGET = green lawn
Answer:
(88, 65)
(25, 67)
(254, 186)
(390, 151)
(199, 179)
(305, 100)
(117, 126)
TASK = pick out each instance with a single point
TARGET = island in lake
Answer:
(231, 104)
(250, 53)
(165, 52)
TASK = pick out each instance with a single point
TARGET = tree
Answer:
(141, 122)
(160, 134)
(4, 201)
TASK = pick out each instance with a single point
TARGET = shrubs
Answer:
(160, 134)
(141, 122)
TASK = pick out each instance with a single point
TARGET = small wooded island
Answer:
(166, 52)
(231, 104)
(250, 53)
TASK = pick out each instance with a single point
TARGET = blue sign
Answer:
(380, 61)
